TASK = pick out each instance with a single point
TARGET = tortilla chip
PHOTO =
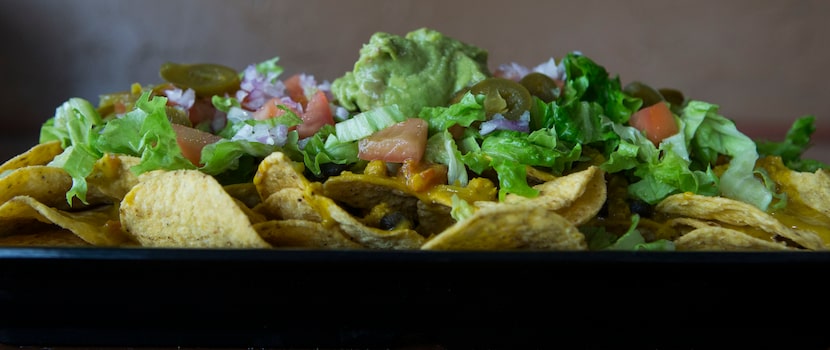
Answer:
(736, 213)
(253, 216)
(97, 226)
(289, 204)
(813, 189)
(433, 218)
(537, 176)
(40, 154)
(276, 172)
(367, 191)
(578, 196)
(186, 208)
(45, 184)
(49, 237)
(369, 237)
(685, 225)
(303, 234)
(724, 239)
(508, 227)
(112, 176)
(48, 185)
(245, 192)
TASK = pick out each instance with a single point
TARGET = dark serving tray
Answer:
(297, 298)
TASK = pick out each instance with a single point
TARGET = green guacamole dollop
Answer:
(422, 69)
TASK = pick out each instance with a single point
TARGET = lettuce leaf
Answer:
(659, 171)
(716, 135)
(591, 101)
(470, 109)
(795, 143)
(323, 147)
(75, 125)
(601, 88)
(368, 122)
(631, 240)
(225, 154)
(441, 149)
(461, 210)
(145, 132)
(510, 152)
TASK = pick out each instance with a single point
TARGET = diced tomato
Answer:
(119, 107)
(270, 110)
(317, 114)
(656, 122)
(191, 141)
(396, 143)
(457, 131)
(202, 111)
(295, 90)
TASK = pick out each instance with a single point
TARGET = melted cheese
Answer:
(796, 214)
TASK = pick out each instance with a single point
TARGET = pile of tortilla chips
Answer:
(370, 210)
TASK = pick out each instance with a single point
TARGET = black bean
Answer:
(391, 220)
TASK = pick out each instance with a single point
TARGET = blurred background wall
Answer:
(763, 61)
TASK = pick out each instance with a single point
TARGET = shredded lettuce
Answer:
(269, 66)
(467, 111)
(369, 122)
(75, 125)
(597, 85)
(78, 162)
(225, 154)
(684, 162)
(631, 240)
(461, 210)
(795, 143)
(717, 135)
(322, 148)
(145, 132)
(591, 101)
(510, 152)
(441, 149)
(224, 103)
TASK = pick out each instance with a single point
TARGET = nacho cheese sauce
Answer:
(376, 172)
(796, 214)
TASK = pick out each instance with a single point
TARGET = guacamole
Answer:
(425, 68)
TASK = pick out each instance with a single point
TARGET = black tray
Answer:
(288, 298)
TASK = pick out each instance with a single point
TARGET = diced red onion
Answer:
(181, 98)
(516, 72)
(549, 68)
(325, 87)
(308, 84)
(236, 115)
(276, 136)
(499, 122)
(512, 71)
(340, 113)
(220, 119)
(256, 88)
(291, 104)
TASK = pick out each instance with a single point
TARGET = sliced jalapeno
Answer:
(541, 86)
(504, 96)
(206, 79)
(672, 96)
(644, 92)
